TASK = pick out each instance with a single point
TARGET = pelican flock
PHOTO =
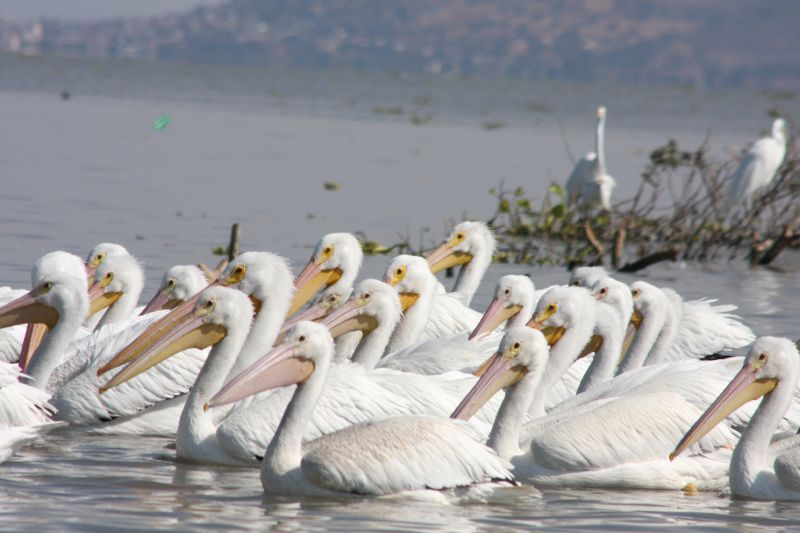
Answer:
(336, 386)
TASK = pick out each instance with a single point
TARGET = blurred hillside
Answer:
(705, 43)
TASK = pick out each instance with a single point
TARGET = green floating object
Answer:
(161, 122)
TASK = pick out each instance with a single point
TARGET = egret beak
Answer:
(280, 367)
(309, 282)
(160, 301)
(26, 310)
(743, 388)
(446, 257)
(99, 300)
(495, 314)
(349, 317)
(187, 331)
(497, 373)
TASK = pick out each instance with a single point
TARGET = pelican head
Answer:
(100, 253)
(58, 261)
(616, 294)
(178, 284)
(218, 312)
(308, 345)
(114, 277)
(561, 309)
(467, 240)
(373, 303)
(587, 276)
(522, 351)
(512, 294)
(260, 275)
(57, 297)
(336, 259)
(649, 303)
(770, 360)
(328, 301)
(410, 277)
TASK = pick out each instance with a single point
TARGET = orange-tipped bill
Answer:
(743, 388)
(495, 314)
(499, 373)
(347, 318)
(278, 368)
(309, 282)
(446, 257)
(187, 331)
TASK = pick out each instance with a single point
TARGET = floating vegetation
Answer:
(332, 186)
(494, 125)
(396, 110)
(420, 120)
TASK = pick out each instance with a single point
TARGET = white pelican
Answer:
(471, 245)
(758, 166)
(670, 329)
(617, 444)
(18, 344)
(587, 276)
(589, 182)
(771, 369)
(429, 313)
(178, 284)
(328, 300)
(132, 408)
(336, 260)
(394, 455)
(352, 394)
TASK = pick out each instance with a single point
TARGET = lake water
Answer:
(256, 147)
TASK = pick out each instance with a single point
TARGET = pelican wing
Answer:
(12, 439)
(444, 354)
(630, 429)
(707, 329)
(78, 399)
(402, 453)
(352, 395)
(21, 404)
(449, 315)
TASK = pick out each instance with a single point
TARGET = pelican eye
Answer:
(47, 286)
(636, 292)
(576, 283)
(507, 291)
(301, 338)
(399, 271)
(171, 283)
(367, 295)
(239, 270)
(517, 346)
(209, 305)
(327, 251)
(333, 298)
(551, 308)
(110, 276)
(604, 290)
(762, 357)
(99, 257)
